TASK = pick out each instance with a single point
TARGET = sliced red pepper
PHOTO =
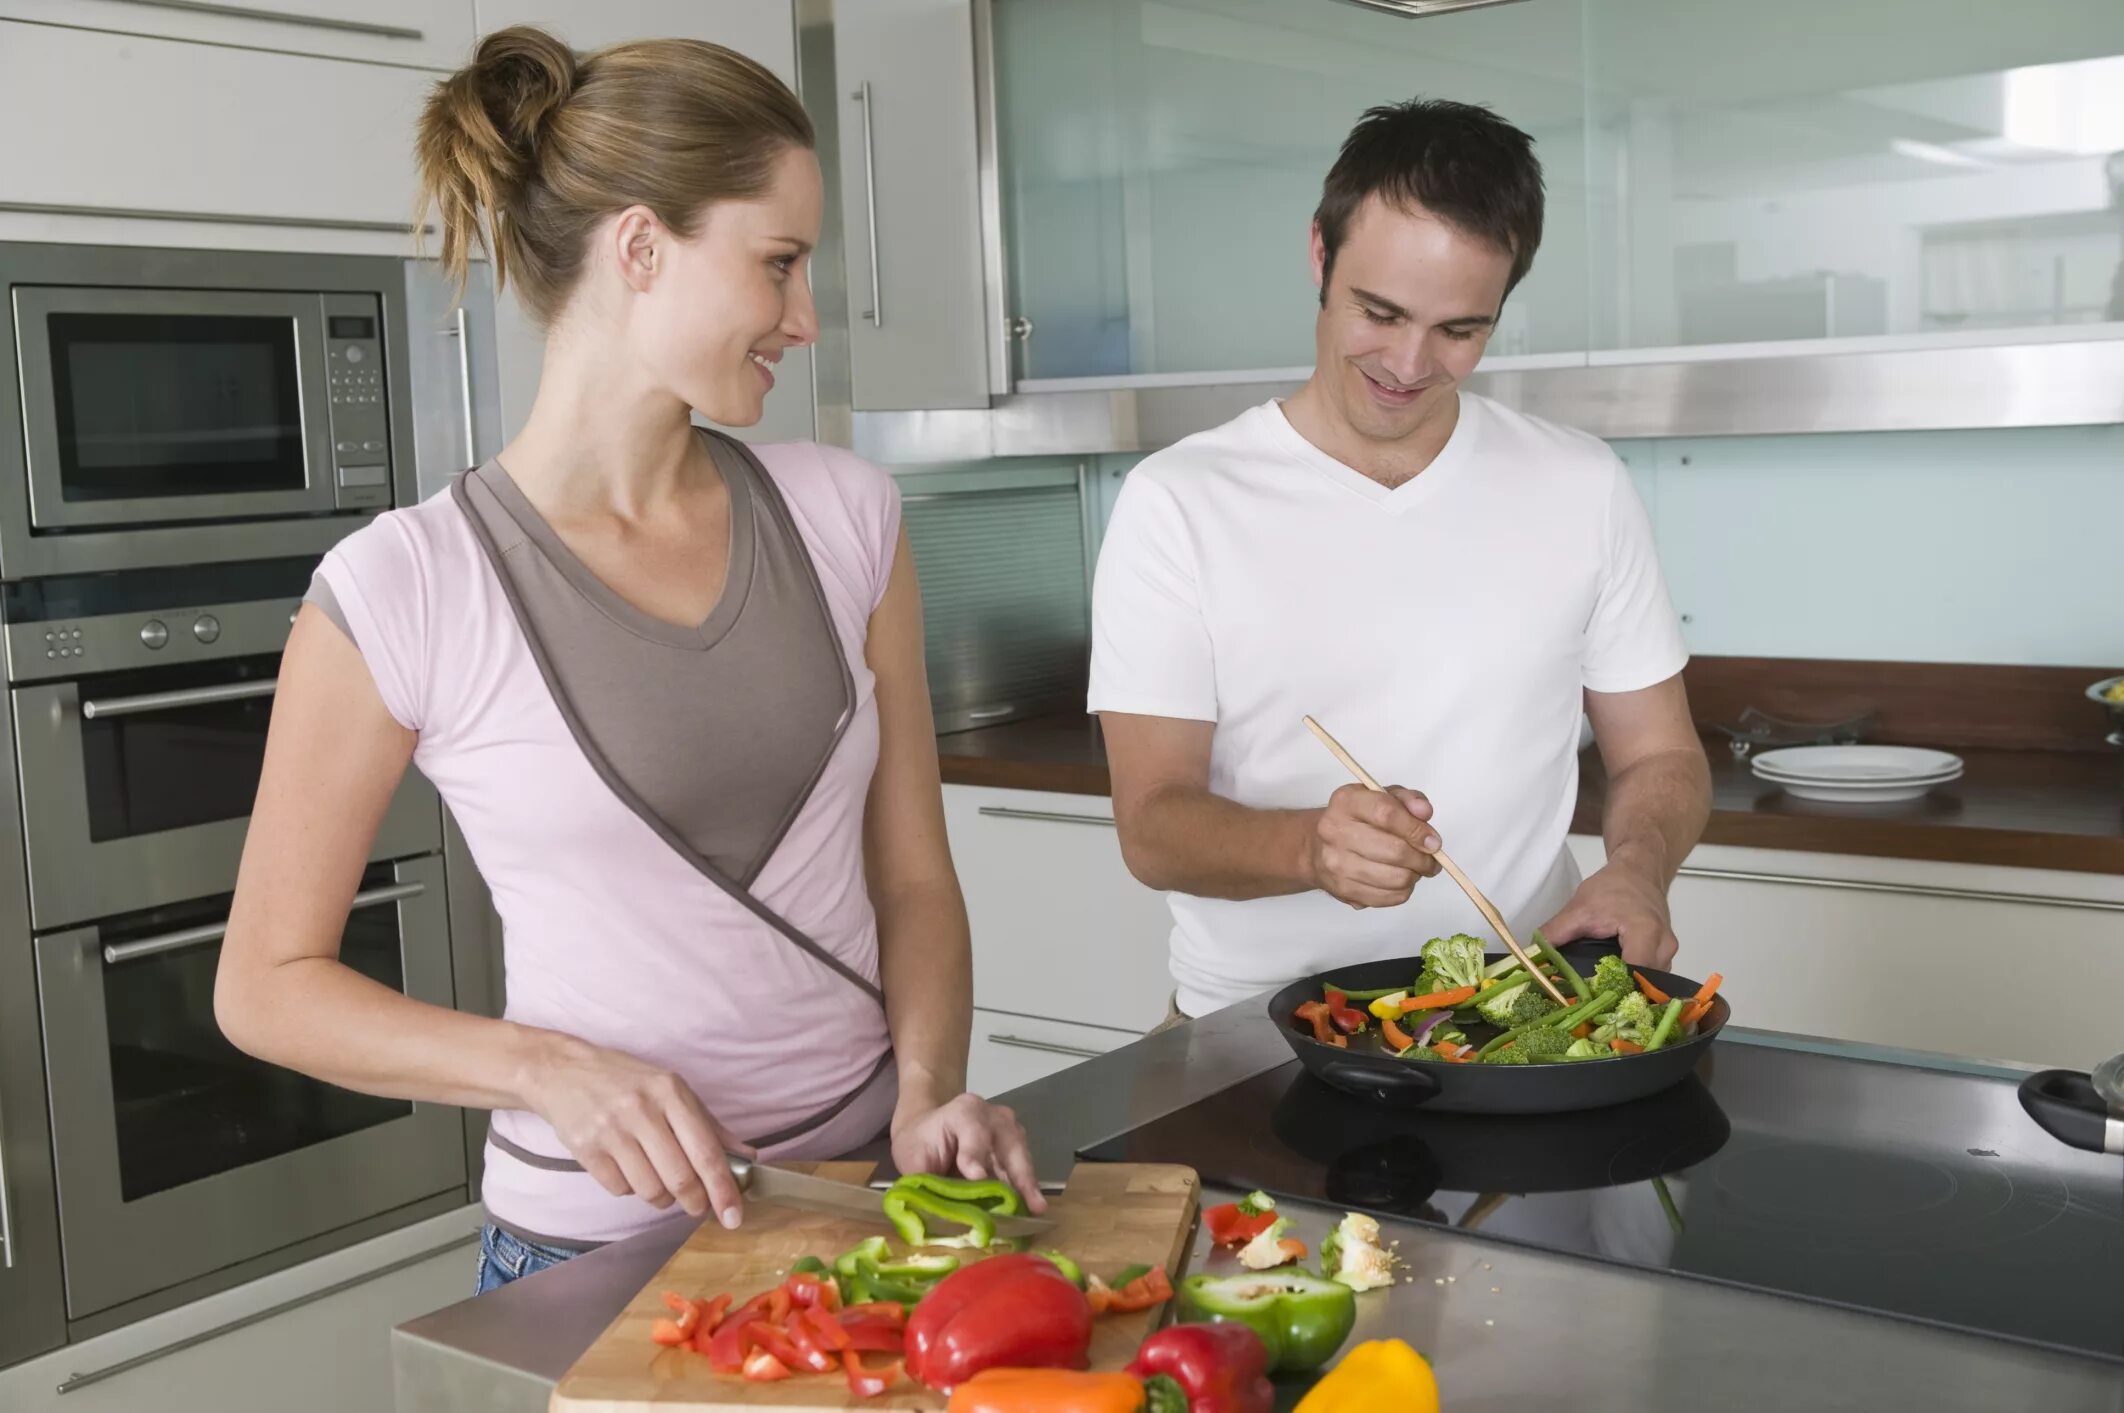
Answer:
(890, 1311)
(727, 1347)
(774, 1341)
(810, 1353)
(1228, 1226)
(687, 1311)
(806, 1290)
(1346, 1017)
(828, 1329)
(763, 1368)
(779, 1303)
(1145, 1291)
(875, 1337)
(868, 1383)
(667, 1332)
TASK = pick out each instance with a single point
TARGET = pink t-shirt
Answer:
(609, 935)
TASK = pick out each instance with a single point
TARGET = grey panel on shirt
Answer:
(320, 593)
(720, 729)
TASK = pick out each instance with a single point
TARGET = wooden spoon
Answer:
(1482, 904)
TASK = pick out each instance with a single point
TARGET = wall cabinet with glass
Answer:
(1719, 171)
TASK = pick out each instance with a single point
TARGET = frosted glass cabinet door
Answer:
(1823, 168)
(1160, 163)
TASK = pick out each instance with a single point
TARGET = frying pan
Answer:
(2086, 1111)
(1490, 1089)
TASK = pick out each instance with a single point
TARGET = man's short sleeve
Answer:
(1151, 653)
(1633, 639)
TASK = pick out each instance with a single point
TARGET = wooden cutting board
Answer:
(1110, 1216)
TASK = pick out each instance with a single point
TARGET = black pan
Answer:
(1371, 1073)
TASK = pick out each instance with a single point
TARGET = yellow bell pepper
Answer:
(1378, 1376)
(1388, 1007)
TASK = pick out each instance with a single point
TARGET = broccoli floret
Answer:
(1419, 1052)
(1610, 974)
(1543, 1042)
(1455, 961)
(1515, 1006)
(1513, 1056)
(1632, 1019)
(1588, 1050)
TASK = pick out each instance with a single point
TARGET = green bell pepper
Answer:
(991, 1195)
(917, 1199)
(1066, 1266)
(1301, 1318)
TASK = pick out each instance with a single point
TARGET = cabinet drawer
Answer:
(435, 34)
(132, 124)
(1060, 927)
(1010, 1050)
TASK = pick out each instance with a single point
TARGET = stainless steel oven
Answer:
(140, 705)
(175, 1153)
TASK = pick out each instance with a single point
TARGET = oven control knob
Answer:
(354, 353)
(206, 627)
(153, 634)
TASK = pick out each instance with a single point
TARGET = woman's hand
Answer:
(970, 1137)
(635, 1128)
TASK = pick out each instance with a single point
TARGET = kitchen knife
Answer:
(766, 1183)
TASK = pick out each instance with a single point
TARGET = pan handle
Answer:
(2065, 1103)
(1405, 1084)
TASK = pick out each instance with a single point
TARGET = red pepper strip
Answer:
(806, 1290)
(763, 1368)
(868, 1383)
(1228, 1226)
(810, 1353)
(890, 1312)
(874, 1337)
(828, 1330)
(667, 1332)
(711, 1317)
(688, 1312)
(1152, 1289)
(779, 1303)
(774, 1341)
(1347, 1018)
(727, 1348)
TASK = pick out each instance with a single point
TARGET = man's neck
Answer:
(1312, 415)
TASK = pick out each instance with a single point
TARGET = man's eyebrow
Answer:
(1380, 302)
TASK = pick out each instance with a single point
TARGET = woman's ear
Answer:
(637, 237)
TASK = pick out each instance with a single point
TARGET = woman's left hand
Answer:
(970, 1137)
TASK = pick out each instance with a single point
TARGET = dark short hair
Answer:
(1459, 162)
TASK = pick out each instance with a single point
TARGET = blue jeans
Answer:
(504, 1258)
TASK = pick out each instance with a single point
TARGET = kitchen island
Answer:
(1506, 1326)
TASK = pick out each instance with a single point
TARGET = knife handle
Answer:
(740, 1169)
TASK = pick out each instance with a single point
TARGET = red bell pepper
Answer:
(874, 1336)
(762, 1335)
(868, 1383)
(826, 1327)
(1015, 1311)
(1223, 1367)
(763, 1368)
(1347, 1018)
(727, 1347)
(1230, 1224)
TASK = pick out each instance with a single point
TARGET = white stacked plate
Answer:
(1870, 775)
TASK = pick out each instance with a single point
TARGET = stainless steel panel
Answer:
(285, 17)
(986, 149)
(188, 937)
(32, 1295)
(2047, 384)
(49, 508)
(74, 879)
(455, 409)
(117, 1250)
(113, 642)
(818, 86)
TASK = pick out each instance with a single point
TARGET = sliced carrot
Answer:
(1652, 993)
(1395, 1035)
(1694, 1012)
(1447, 1050)
(1431, 1001)
(1710, 987)
(1582, 1030)
(1292, 1248)
(1627, 1047)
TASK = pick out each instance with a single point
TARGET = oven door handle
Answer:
(188, 697)
(118, 952)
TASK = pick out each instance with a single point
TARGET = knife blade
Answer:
(767, 1183)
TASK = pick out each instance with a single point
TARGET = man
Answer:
(1443, 582)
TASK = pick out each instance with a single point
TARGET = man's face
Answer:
(1408, 313)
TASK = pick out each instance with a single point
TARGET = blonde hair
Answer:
(525, 149)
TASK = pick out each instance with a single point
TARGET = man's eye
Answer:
(1378, 318)
(1460, 335)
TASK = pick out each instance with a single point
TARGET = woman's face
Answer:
(718, 309)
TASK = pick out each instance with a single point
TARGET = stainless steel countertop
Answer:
(1502, 1325)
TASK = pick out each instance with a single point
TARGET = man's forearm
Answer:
(925, 960)
(1655, 813)
(1183, 839)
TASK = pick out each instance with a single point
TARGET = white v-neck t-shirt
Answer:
(1443, 630)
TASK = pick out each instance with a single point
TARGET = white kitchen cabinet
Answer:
(1009, 1050)
(764, 30)
(920, 325)
(331, 1353)
(126, 123)
(1061, 930)
(1908, 953)
(435, 34)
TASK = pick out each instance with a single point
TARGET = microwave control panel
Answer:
(360, 407)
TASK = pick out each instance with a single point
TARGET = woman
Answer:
(671, 690)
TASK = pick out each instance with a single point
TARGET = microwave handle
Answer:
(118, 952)
(464, 385)
(189, 697)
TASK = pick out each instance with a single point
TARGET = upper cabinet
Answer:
(1819, 169)
(920, 322)
(1719, 172)
(1161, 163)
(434, 34)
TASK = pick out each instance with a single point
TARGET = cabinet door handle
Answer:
(464, 384)
(1908, 890)
(284, 17)
(876, 312)
(1045, 1047)
(98, 707)
(1044, 816)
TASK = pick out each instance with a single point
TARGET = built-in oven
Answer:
(141, 703)
(177, 1154)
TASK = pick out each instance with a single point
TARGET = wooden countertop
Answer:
(2024, 809)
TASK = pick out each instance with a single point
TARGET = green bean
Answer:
(1578, 983)
(1665, 1027)
(1359, 998)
